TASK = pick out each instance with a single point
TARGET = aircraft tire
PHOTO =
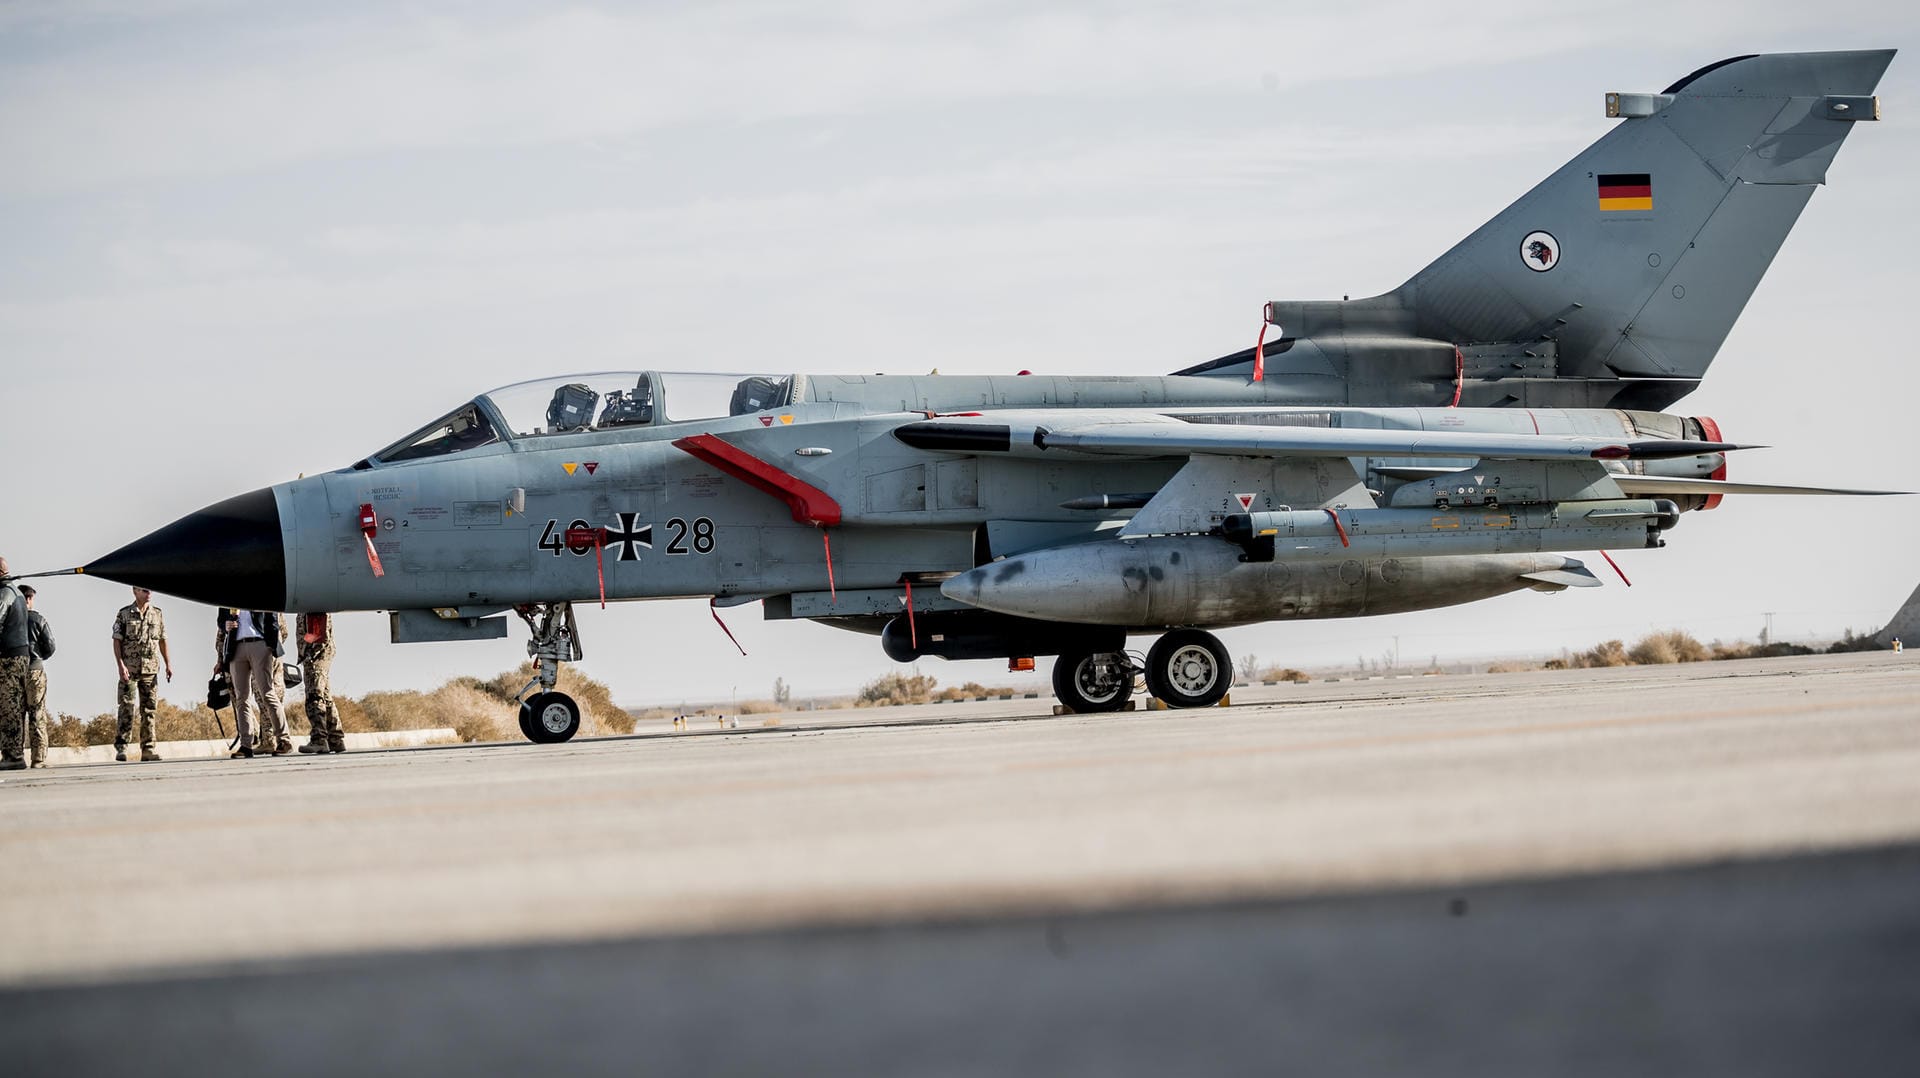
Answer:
(1189, 668)
(549, 718)
(1079, 684)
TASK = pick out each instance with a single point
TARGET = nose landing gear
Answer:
(548, 717)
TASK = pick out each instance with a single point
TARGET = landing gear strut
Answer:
(548, 717)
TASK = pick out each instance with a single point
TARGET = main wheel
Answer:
(550, 717)
(1093, 681)
(1189, 668)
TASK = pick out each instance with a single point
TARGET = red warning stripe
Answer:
(808, 503)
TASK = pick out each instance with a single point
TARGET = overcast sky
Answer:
(240, 242)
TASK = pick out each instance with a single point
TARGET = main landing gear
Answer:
(548, 717)
(1185, 668)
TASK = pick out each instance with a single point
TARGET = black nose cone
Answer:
(228, 554)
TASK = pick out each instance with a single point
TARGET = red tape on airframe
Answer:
(808, 503)
(1338, 527)
(598, 537)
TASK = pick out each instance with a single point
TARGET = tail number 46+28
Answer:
(682, 537)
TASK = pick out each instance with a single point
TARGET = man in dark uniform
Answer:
(15, 646)
(40, 636)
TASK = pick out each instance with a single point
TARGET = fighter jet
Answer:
(1454, 439)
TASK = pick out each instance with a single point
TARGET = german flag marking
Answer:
(1626, 191)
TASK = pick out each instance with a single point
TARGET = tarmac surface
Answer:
(1705, 868)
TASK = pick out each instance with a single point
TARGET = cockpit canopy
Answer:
(571, 404)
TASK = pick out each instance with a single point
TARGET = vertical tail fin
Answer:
(1638, 255)
(1614, 281)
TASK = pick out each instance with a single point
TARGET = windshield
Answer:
(465, 428)
(609, 399)
(586, 402)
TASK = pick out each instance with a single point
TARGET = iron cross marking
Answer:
(628, 538)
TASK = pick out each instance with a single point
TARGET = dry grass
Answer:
(896, 688)
(476, 710)
(1656, 649)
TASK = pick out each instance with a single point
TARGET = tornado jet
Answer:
(1460, 437)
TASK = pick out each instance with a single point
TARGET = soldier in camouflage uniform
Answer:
(316, 655)
(15, 646)
(41, 636)
(139, 649)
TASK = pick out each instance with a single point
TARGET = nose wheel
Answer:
(1189, 668)
(548, 718)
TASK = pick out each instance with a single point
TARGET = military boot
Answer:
(312, 747)
(337, 744)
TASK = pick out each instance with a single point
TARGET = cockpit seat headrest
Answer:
(571, 407)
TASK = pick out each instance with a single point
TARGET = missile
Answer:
(1305, 534)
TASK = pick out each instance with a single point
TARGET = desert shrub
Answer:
(1284, 673)
(895, 688)
(353, 715)
(74, 732)
(970, 691)
(1520, 667)
(1653, 649)
(474, 715)
(1738, 649)
(170, 723)
(1674, 646)
(1851, 643)
(395, 710)
(1611, 653)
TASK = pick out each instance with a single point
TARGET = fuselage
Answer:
(535, 514)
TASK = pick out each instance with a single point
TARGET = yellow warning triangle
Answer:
(570, 466)
(786, 420)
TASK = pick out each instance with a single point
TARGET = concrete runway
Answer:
(1454, 870)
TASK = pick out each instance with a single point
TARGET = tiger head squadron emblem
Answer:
(1540, 251)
